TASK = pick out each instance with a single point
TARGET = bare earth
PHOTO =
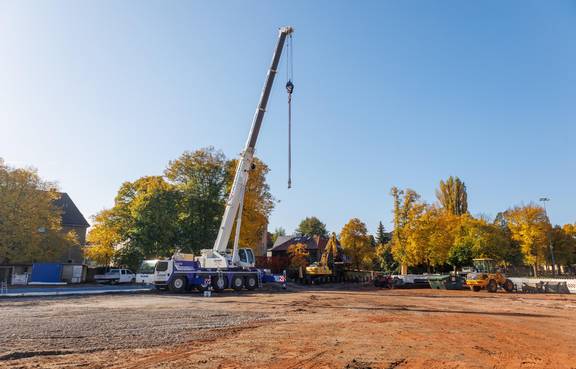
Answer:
(354, 328)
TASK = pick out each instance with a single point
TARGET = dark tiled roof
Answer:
(71, 216)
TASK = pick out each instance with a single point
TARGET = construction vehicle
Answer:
(487, 276)
(218, 267)
(330, 268)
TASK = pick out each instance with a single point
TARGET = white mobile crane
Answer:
(224, 269)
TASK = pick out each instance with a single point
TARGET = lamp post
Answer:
(543, 200)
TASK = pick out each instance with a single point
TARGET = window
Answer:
(242, 255)
(162, 266)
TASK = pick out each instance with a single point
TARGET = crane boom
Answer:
(236, 197)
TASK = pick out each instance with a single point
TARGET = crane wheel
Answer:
(476, 288)
(492, 286)
(218, 282)
(237, 283)
(508, 286)
(251, 282)
(178, 284)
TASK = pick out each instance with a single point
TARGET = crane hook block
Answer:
(289, 87)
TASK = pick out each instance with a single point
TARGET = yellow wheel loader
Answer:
(486, 276)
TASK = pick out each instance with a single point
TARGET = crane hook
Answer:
(289, 89)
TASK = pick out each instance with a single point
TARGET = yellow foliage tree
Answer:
(30, 223)
(407, 209)
(258, 203)
(356, 243)
(298, 255)
(529, 226)
(103, 237)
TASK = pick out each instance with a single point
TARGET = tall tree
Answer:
(143, 222)
(407, 208)
(356, 243)
(381, 236)
(452, 196)
(200, 177)
(312, 226)
(529, 226)
(30, 223)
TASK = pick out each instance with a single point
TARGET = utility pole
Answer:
(550, 246)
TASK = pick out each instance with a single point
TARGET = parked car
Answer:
(114, 276)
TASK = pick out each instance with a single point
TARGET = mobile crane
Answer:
(224, 269)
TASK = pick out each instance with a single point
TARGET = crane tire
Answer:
(178, 284)
(251, 282)
(219, 283)
(237, 282)
(476, 288)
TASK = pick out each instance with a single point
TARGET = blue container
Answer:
(46, 272)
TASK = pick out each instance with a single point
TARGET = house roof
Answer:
(71, 216)
(312, 243)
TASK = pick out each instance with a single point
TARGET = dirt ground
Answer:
(355, 328)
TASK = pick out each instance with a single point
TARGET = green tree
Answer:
(356, 243)
(312, 226)
(30, 222)
(142, 224)
(564, 246)
(200, 177)
(278, 232)
(452, 196)
(381, 236)
(384, 258)
(460, 255)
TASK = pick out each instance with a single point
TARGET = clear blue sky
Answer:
(404, 93)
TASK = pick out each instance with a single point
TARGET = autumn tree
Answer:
(529, 226)
(452, 196)
(407, 208)
(258, 203)
(103, 238)
(483, 239)
(30, 222)
(355, 242)
(298, 254)
(312, 226)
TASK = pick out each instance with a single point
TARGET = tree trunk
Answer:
(535, 270)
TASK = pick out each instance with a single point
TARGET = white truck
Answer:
(114, 276)
(145, 274)
(217, 265)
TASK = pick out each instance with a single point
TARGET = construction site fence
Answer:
(539, 284)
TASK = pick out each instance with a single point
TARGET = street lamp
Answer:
(543, 200)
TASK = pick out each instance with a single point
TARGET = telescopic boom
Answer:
(236, 197)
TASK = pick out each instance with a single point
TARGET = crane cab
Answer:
(246, 258)
(211, 259)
